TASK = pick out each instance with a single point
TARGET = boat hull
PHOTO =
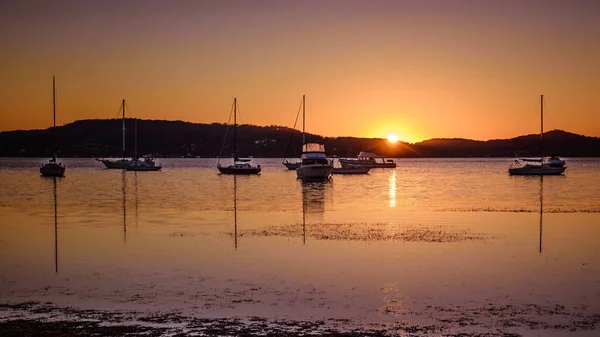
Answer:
(238, 170)
(52, 170)
(314, 172)
(356, 162)
(529, 170)
(292, 166)
(116, 164)
(143, 168)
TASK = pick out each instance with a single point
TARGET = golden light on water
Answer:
(392, 192)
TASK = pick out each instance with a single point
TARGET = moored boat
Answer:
(314, 165)
(240, 165)
(53, 168)
(367, 159)
(552, 165)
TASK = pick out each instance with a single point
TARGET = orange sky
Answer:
(418, 69)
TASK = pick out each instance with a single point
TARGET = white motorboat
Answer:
(314, 163)
(367, 159)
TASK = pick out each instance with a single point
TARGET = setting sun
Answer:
(392, 138)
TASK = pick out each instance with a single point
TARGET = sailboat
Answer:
(52, 168)
(296, 164)
(542, 166)
(239, 166)
(314, 164)
(123, 162)
(145, 163)
(134, 163)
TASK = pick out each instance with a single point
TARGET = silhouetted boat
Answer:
(121, 163)
(296, 164)
(552, 165)
(53, 168)
(370, 160)
(240, 165)
(146, 163)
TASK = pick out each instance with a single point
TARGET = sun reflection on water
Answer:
(392, 192)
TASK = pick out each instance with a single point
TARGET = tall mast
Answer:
(303, 118)
(135, 146)
(542, 126)
(234, 128)
(123, 103)
(542, 114)
(53, 102)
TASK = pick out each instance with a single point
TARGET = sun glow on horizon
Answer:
(392, 138)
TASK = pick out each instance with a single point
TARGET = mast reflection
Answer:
(235, 238)
(541, 207)
(124, 189)
(313, 202)
(55, 226)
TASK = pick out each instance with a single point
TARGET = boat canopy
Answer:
(313, 147)
(369, 155)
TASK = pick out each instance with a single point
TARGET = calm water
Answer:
(433, 243)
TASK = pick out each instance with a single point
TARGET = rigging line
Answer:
(292, 135)
(226, 131)
(119, 111)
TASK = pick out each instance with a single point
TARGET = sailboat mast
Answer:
(135, 146)
(542, 126)
(542, 115)
(123, 107)
(53, 102)
(234, 128)
(303, 118)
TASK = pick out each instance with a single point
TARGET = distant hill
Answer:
(102, 138)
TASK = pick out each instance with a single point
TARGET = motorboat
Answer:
(349, 168)
(146, 163)
(368, 159)
(314, 163)
(554, 161)
(240, 165)
(53, 168)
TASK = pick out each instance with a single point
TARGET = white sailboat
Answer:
(314, 163)
(240, 165)
(131, 164)
(292, 165)
(53, 168)
(552, 165)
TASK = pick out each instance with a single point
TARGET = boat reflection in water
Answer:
(54, 182)
(541, 207)
(124, 182)
(313, 203)
(235, 236)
